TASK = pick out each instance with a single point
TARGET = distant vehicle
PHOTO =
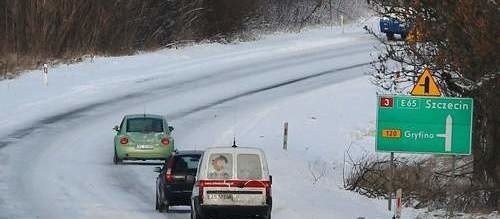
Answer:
(175, 181)
(232, 181)
(391, 26)
(143, 137)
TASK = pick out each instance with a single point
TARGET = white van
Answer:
(232, 181)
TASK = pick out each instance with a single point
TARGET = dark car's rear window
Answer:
(144, 125)
(186, 163)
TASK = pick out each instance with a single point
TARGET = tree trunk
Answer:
(486, 141)
(495, 131)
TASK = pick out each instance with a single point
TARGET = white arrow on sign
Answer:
(448, 134)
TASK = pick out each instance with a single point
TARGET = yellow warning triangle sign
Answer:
(426, 85)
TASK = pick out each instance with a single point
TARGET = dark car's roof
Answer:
(189, 152)
(133, 116)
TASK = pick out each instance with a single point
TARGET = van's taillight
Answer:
(169, 177)
(124, 140)
(259, 184)
(165, 141)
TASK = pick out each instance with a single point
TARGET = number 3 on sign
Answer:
(386, 101)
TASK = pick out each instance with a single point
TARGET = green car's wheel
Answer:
(116, 160)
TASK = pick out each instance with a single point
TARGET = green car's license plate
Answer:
(140, 146)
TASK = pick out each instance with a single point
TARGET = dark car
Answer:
(175, 182)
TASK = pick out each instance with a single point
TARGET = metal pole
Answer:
(453, 186)
(389, 203)
(285, 136)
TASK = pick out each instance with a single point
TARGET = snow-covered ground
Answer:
(56, 140)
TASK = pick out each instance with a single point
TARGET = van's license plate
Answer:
(220, 196)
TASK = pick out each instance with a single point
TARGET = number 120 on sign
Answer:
(391, 133)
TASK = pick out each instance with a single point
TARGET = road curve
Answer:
(61, 166)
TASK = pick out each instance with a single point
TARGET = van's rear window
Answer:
(144, 125)
(221, 166)
(249, 167)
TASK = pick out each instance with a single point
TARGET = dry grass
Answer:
(426, 183)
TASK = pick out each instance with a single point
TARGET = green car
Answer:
(143, 137)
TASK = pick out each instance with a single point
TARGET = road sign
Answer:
(436, 125)
(426, 85)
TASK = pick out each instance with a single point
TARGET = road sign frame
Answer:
(379, 97)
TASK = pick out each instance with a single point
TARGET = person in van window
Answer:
(218, 170)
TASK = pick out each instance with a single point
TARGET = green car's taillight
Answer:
(165, 141)
(124, 140)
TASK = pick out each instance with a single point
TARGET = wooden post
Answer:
(285, 136)
(342, 22)
(399, 205)
(46, 74)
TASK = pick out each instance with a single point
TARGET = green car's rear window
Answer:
(144, 125)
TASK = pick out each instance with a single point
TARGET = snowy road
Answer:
(57, 163)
